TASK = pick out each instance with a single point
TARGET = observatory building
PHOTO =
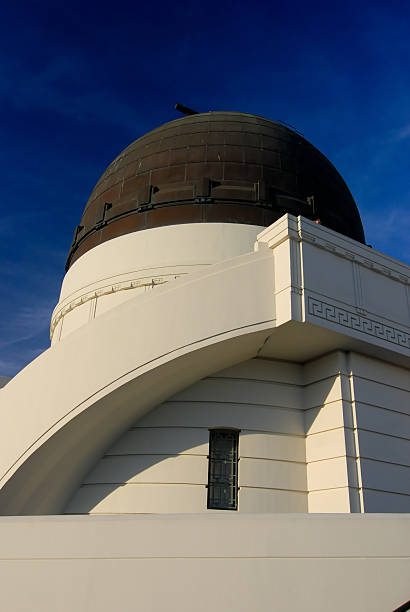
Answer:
(223, 418)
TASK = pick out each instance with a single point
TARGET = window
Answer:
(223, 469)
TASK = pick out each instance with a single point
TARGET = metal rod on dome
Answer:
(185, 110)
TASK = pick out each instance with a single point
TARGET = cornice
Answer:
(346, 253)
(61, 311)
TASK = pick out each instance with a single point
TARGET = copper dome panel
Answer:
(216, 166)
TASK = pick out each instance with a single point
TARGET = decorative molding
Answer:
(357, 322)
(148, 283)
(348, 254)
(358, 290)
(93, 307)
(408, 298)
(296, 280)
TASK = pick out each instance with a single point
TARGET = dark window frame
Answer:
(223, 461)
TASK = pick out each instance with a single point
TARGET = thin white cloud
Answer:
(45, 89)
(25, 324)
(389, 233)
(11, 366)
(403, 133)
(23, 336)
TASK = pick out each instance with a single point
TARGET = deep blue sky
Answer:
(80, 81)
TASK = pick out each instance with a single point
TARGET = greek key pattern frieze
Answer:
(357, 322)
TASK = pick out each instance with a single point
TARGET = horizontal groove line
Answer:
(299, 436)
(254, 380)
(380, 383)
(382, 461)
(339, 400)
(204, 557)
(373, 405)
(188, 484)
(385, 491)
(362, 402)
(241, 457)
(272, 432)
(235, 403)
(302, 385)
(298, 491)
(273, 406)
(356, 488)
(183, 454)
(380, 433)
(357, 458)
(308, 462)
(326, 403)
(359, 489)
(150, 483)
(342, 427)
(358, 429)
(334, 489)
(242, 431)
(335, 376)
(273, 459)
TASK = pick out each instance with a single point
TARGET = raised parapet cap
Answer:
(284, 228)
(302, 229)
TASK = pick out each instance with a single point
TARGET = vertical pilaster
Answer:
(331, 456)
(284, 240)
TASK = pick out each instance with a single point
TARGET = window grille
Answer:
(223, 469)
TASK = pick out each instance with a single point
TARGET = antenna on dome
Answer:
(185, 110)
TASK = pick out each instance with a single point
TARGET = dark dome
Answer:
(215, 167)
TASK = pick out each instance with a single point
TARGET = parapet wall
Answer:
(204, 562)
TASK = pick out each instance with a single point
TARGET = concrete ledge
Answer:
(185, 562)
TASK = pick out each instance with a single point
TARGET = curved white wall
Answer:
(118, 269)
(161, 464)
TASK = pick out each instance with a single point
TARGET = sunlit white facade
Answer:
(293, 335)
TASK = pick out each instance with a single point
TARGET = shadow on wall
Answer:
(170, 444)
(157, 450)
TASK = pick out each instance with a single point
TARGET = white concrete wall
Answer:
(330, 454)
(307, 443)
(381, 409)
(64, 410)
(123, 267)
(358, 440)
(161, 464)
(221, 561)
